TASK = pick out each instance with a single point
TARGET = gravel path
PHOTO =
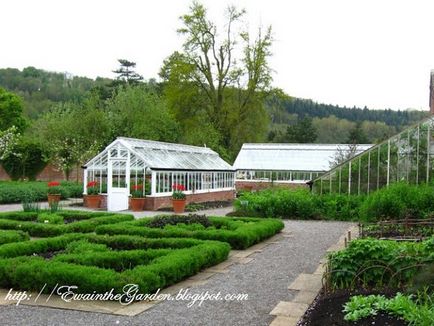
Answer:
(265, 279)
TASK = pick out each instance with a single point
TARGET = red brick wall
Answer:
(154, 203)
(50, 173)
(254, 186)
(3, 175)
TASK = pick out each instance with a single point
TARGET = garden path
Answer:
(265, 278)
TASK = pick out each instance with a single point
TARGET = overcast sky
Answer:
(376, 53)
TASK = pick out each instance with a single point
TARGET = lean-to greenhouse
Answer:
(407, 157)
(261, 165)
(156, 167)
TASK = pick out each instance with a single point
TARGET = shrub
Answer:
(398, 201)
(376, 263)
(49, 218)
(34, 191)
(87, 222)
(12, 236)
(163, 220)
(150, 263)
(240, 233)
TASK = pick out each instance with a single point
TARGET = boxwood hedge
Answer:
(81, 222)
(240, 233)
(12, 236)
(149, 263)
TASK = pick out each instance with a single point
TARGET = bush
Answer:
(34, 191)
(377, 263)
(162, 221)
(298, 204)
(150, 263)
(12, 236)
(397, 201)
(87, 222)
(240, 233)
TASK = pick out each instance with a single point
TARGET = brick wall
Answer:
(3, 175)
(50, 173)
(154, 203)
(259, 185)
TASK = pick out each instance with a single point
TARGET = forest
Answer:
(207, 93)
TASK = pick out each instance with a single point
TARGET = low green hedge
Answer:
(140, 262)
(298, 204)
(86, 222)
(19, 191)
(12, 236)
(378, 263)
(240, 233)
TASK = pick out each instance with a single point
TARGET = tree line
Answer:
(215, 91)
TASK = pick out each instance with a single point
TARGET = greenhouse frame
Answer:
(406, 157)
(262, 165)
(156, 167)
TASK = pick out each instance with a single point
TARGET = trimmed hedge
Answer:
(298, 204)
(12, 236)
(240, 233)
(87, 222)
(378, 263)
(144, 265)
(19, 191)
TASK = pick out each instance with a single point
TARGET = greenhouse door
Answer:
(117, 186)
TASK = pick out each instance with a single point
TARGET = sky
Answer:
(377, 54)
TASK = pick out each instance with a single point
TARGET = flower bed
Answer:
(240, 233)
(42, 224)
(100, 263)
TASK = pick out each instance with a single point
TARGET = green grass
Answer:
(240, 233)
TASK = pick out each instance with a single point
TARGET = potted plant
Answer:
(93, 198)
(137, 200)
(53, 192)
(178, 198)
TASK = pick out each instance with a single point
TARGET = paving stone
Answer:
(284, 321)
(307, 282)
(306, 297)
(290, 309)
(201, 276)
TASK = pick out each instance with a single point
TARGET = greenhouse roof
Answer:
(290, 157)
(168, 156)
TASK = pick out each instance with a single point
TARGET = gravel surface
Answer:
(265, 279)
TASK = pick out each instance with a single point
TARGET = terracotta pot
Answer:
(178, 205)
(55, 198)
(137, 204)
(93, 201)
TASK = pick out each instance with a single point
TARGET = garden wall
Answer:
(154, 203)
(259, 185)
(49, 173)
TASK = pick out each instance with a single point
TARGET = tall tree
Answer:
(357, 135)
(224, 74)
(302, 132)
(11, 111)
(126, 74)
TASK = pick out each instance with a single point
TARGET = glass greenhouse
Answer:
(407, 156)
(286, 163)
(127, 162)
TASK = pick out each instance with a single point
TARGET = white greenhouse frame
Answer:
(157, 166)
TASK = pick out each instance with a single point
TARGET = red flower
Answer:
(53, 184)
(137, 187)
(178, 187)
(92, 184)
